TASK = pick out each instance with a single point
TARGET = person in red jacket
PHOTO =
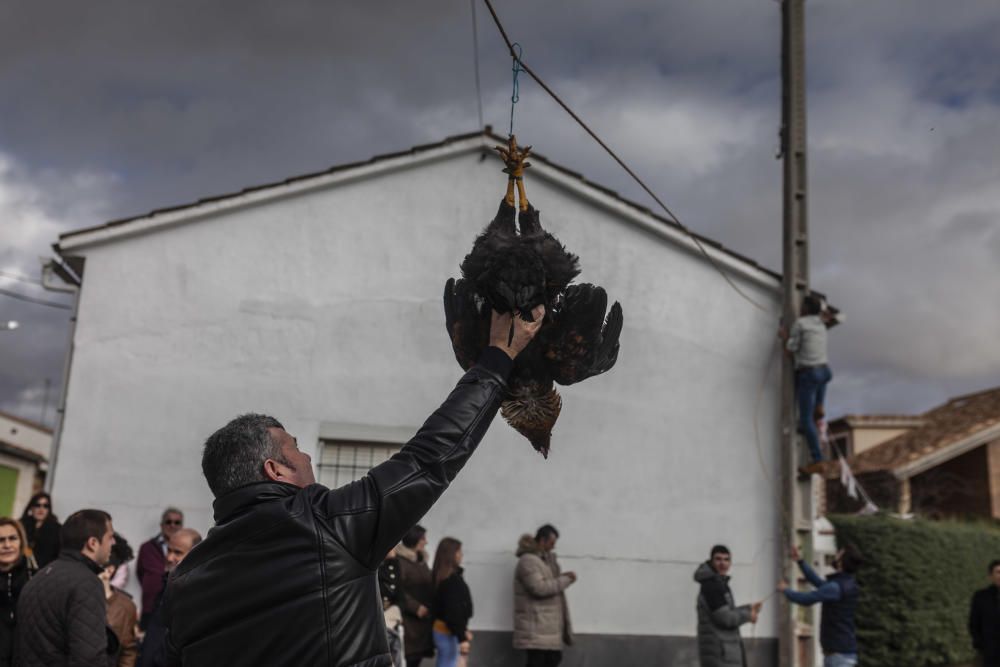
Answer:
(152, 561)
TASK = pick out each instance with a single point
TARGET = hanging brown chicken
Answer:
(514, 267)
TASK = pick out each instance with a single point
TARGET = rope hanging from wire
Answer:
(697, 242)
(515, 93)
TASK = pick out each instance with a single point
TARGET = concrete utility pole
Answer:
(796, 518)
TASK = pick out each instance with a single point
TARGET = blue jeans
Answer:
(447, 649)
(840, 660)
(810, 391)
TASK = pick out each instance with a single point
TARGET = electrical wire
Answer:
(20, 276)
(30, 299)
(756, 427)
(697, 242)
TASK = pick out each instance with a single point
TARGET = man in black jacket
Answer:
(179, 545)
(62, 613)
(984, 619)
(288, 574)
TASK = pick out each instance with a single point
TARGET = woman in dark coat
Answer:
(15, 571)
(415, 596)
(41, 527)
(452, 604)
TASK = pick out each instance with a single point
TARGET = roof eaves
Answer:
(883, 421)
(21, 452)
(72, 238)
(922, 463)
(26, 422)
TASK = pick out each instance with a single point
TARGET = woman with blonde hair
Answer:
(15, 571)
(452, 605)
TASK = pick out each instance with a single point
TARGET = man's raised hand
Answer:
(500, 330)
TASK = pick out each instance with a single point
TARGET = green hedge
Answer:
(916, 587)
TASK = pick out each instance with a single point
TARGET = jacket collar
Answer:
(527, 545)
(79, 557)
(241, 499)
(22, 565)
(411, 555)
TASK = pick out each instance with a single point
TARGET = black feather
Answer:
(513, 267)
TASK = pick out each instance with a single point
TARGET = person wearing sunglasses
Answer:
(152, 561)
(41, 529)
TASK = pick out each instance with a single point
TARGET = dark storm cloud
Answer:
(113, 109)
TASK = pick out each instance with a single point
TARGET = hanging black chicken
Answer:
(513, 268)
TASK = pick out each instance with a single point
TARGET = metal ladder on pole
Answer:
(797, 625)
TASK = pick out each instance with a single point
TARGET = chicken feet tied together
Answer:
(514, 266)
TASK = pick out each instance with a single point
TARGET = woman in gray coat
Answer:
(541, 616)
(719, 619)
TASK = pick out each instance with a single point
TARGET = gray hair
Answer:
(170, 510)
(234, 455)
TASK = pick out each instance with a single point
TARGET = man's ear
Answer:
(92, 545)
(273, 471)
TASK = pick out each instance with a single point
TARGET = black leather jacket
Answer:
(288, 575)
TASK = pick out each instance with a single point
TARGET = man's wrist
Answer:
(496, 360)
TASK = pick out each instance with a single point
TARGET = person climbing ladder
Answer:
(806, 342)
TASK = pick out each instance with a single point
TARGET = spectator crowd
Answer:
(66, 602)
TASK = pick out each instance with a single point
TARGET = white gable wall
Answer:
(326, 308)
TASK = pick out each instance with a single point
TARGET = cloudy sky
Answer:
(112, 109)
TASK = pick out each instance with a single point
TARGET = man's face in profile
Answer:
(298, 469)
(103, 554)
(995, 576)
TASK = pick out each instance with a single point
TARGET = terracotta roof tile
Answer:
(944, 425)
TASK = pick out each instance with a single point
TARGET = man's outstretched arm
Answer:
(394, 495)
(810, 574)
(828, 592)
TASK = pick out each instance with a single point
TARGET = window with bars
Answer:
(344, 461)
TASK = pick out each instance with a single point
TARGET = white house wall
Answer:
(326, 308)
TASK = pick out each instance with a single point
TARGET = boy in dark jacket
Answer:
(719, 619)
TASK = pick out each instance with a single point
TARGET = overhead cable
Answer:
(31, 299)
(674, 219)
